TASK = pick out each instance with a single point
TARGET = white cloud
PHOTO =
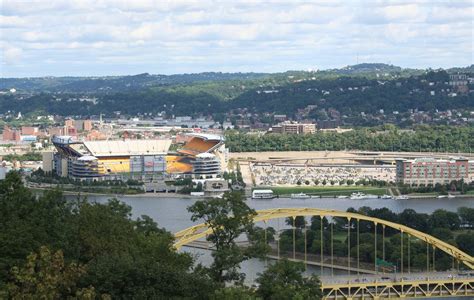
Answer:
(157, 36)
(11, 55)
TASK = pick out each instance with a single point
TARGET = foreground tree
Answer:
(228, 218)
(47, 276)
(284, 280)
(122, 257)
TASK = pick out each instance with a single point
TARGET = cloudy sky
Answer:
(100, 37)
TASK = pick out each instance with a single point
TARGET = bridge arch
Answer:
(196, 232)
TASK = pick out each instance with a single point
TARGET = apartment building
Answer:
(430, 171)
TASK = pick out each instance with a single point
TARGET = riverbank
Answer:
(111, 195)
(325, 191)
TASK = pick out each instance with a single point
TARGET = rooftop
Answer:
(207, 136)
(128, 147)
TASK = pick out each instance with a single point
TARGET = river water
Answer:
(171, 213)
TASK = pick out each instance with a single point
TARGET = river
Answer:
(172, 214)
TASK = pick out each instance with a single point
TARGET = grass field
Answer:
(325, 190)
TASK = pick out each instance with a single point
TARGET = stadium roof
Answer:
(205, 155)
(87, 158)
(207, 136)
(128, 147)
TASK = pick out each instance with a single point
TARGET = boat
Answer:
(386, 197)
(342, 197)
(442, 196)
(357, 196)
(300, 196)
(401, 197)
(262, 194)
(451, 196)
(362, 196)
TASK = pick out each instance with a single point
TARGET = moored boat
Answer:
(300, 196)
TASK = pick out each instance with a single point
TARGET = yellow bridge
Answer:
(404, 284)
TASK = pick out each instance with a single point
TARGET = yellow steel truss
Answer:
(196, 232)
(403, 289)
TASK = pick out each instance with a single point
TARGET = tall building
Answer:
(430, 171)
(77, 125)
(48, 158)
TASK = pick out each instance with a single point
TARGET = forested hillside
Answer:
(112, 84)
(215, 93)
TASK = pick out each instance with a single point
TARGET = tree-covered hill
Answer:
(358, 94)
(216, 93)
(110, 84)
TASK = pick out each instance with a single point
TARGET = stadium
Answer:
(203, 156)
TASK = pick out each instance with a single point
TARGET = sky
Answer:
(123, 37)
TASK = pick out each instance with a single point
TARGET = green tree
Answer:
(47, 276)
(103, 238)
(299, 221)
(234, 293)
(227, 218)
(465, 242)
(411, 218)
(27, 222)
(467, 216)
(441, 218)
(284, 280)
(116, 248)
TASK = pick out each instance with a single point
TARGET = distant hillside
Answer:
(349, 95)
(367, 88)
(113, 84)
(468, 69)
(369, 67)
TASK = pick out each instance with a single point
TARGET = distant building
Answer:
(328, 124)
(430, 171)
(294, 128)
(10, 134)
(459, 82)
(48, 159)
(56, 131)
(95, 135)
(458, 79)
(77, 125)
(69, 123)
(28, 138)
(83, 125)
(28, 130)
(280, 118)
